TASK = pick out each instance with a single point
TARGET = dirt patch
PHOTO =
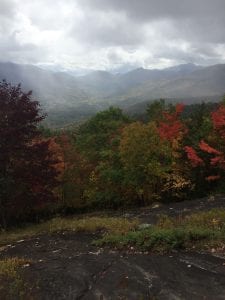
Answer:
(183, 208)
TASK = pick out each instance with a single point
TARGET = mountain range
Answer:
(66, 97)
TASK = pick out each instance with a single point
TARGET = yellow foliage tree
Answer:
(146, 159)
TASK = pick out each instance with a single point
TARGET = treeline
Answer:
(111, 161)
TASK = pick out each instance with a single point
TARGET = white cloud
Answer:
(105, 34)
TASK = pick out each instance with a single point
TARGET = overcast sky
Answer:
(107, 34)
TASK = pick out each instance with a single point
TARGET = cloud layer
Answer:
(107, 34)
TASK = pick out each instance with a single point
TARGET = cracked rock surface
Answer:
(67, 266)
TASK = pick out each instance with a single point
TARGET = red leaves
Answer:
(218, 119)
(193, 157)
(24, 157)
(206, 148)
(179, 108)
(196, 161)
(217, 160)
(172, 128)
(212, 178)
(57, 154)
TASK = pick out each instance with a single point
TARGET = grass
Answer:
(205, 229)
(212, 219)
(202, 229)
(12, 285)
(87, 224)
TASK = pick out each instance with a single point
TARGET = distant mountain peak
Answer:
(59, 90)
(184, 67)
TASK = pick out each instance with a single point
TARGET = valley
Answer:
(68, 99)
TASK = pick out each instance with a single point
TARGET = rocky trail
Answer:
(68, 266)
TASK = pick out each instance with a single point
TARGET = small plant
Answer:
(92, 224)
(202, 229)
(89, 224)
(166, 222)
(213, 219)
(12, 285)
(157, 239)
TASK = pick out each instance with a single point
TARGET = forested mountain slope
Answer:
(67, 98)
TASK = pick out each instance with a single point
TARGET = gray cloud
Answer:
(146, 10)
(108, 30)
(111, 33)
(7, 8)
(197, 19)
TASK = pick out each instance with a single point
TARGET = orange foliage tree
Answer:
(74, 171)
(172, 129)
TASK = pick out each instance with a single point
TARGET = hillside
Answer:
(106, 84)
(67, 98)
(203, 82)
(51, 89)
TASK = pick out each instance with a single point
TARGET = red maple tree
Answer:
(218, 119)
(27, 173)
(172, 127)
(193, 157)
(206, 148)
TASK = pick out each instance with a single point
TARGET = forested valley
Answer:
(110, 161)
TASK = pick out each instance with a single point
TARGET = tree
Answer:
(218, 119)
(27, 173)
(95, 136)
(75, 172)
(98, 141)
(146, 159)
(206, 155)
(156, 108)
(198, 120)
(172, 129)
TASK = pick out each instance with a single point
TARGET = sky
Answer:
(112, 34)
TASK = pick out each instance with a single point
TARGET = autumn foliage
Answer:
(208, 156)
(218, 119)
(172, 127)
(192, 155)
(109, 161)
(112, 161)
(27, 173)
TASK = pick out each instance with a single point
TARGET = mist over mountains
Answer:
(68, 98)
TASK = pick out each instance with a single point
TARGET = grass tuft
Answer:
(205, 229)
(12, 284)
(87, 224)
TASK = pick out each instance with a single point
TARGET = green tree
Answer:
(146, 159)
(156, 108)
(98, 141)
(95, 136)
